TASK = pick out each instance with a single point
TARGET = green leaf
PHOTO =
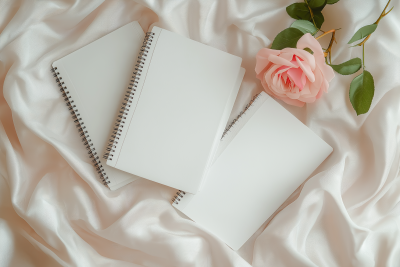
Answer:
(299, 11)
(348, 67)
(319, 19)
(331, 2)
(363, 32)
(317, 5)
(309, 50)
(305, 26)
(361, 92)
(287, 38)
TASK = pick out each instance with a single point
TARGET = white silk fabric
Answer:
(55, 212)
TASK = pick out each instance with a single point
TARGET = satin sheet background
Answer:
(54, 211)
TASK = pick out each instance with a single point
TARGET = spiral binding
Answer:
(126, 104)
(240, 115)
(178, 196)
(81, 127)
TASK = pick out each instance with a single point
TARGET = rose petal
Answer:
(294, 62)
(327, 71)
(304, 55)
(325, 86)
(306, 90)
(307, 71)
(262, 58)
(303, 79)
(308, 99)
(319, 94)
(316, 85)
(296, 74)
(294, 94)
(282, 69)
(273, 80)
(284, 76)
(307, 58)
(280, 61)
(307, 40)
(288, 53)
(269, 74)
(266, 88)
(278, 87)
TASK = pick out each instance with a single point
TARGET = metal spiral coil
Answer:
(240, 115)
(178, 196)
(126, 104)
(81, 127)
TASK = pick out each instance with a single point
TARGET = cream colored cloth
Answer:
(55, 212)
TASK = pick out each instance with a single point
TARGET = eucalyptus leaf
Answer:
(318, 19)
(317, 5)
(348, 67)
(363, 32)
(331, 2)
(299, 11)
(305, 26)
(361, 92)
(287, 38)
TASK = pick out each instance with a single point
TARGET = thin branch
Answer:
(384, 13)
(322, 35)
(363, 62)
(312, 14)
(328, 51)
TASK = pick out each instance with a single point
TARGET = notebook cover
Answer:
(96, 77)
(264, 157)
(173, 125)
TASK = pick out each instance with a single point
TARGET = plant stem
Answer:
(384, 13)
(328, 51)
(363, 61)
(322, 35)
(312, 14)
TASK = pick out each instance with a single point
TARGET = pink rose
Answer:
(293, 74)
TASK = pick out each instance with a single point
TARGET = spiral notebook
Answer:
(179, 100)
(93, 80)
(263, 156)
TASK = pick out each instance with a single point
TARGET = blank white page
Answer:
(97, 77)
(265, 160)
(182, 96)
(225, 118)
